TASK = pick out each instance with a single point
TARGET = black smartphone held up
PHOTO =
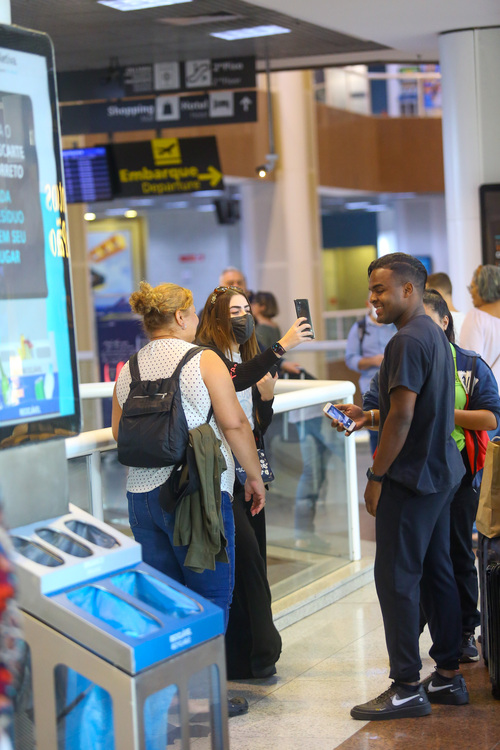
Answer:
(273, 370)
(302, 311)
(332, 411)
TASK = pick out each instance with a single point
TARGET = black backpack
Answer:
(153, 431)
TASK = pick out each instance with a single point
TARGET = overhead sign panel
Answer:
(193, 75)
(167, 165)
(168, 111)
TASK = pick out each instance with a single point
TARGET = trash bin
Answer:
(119, 656)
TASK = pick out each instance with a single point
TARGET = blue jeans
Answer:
(154, 530)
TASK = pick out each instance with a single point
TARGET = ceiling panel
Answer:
(87, 35)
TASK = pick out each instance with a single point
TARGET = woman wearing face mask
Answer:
(253, 644)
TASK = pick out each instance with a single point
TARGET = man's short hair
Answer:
(405, 267)
(440, 281)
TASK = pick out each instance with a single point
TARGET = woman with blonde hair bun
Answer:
(170, 321)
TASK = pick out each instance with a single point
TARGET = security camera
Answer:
(264, 169)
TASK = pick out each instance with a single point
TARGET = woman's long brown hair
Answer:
(214, 328)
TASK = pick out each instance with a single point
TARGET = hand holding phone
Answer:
(302, 311)
(334, 413)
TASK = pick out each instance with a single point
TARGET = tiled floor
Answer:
(335, 659)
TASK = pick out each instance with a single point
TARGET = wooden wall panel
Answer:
(410, 153)
(347, 149)
(379, 154)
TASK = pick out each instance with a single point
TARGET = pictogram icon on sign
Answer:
(166, 151)
(246, 103)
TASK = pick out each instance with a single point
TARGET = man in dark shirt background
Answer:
(414, 476)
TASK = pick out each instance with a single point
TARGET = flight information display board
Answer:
(87, 176)
(38, 373)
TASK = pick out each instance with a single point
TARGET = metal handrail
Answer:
(291, 394)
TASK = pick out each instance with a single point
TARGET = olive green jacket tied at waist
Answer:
(194, 491)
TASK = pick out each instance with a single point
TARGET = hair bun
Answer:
(143, 301)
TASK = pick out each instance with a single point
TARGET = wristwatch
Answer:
(278, 349)
(374, 477)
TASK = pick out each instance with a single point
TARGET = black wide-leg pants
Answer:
(413, 563)
(252, 641)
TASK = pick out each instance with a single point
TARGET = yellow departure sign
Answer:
(167, 165)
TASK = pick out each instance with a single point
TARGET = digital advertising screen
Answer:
(489, 198)
(38, 374)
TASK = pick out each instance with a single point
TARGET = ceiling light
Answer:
(138, 4)
(130, 214)
(89, 216)
(251, 32)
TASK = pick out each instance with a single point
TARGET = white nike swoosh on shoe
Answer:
(399, 701)
(436, 688)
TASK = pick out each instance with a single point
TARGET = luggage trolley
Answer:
(121, 657)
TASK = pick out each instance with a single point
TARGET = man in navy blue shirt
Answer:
(415, 474)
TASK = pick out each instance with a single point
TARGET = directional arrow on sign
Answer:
(246, 103)
(212, 175)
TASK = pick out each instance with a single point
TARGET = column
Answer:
(470, 62)
(281, 221)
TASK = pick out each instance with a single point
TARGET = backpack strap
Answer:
(361, 334)
(134, 368)
(472, 376)
(189, 354)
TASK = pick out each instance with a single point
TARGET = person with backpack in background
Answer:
(364, 352)
(170, 322)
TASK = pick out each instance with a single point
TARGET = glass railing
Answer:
(312, 504)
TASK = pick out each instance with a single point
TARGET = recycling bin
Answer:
(119, 656)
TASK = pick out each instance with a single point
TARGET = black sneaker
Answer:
(450, 692)
(395, 703)
(468, 649)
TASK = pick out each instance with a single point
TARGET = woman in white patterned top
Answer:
(170, 321)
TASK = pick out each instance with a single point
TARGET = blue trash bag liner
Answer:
(150, 590)
(114, 611)
(84, 713)
(92, 534)
(157, 728)
(64, 542)
(36, 552)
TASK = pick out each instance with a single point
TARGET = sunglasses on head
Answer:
(221, 289)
